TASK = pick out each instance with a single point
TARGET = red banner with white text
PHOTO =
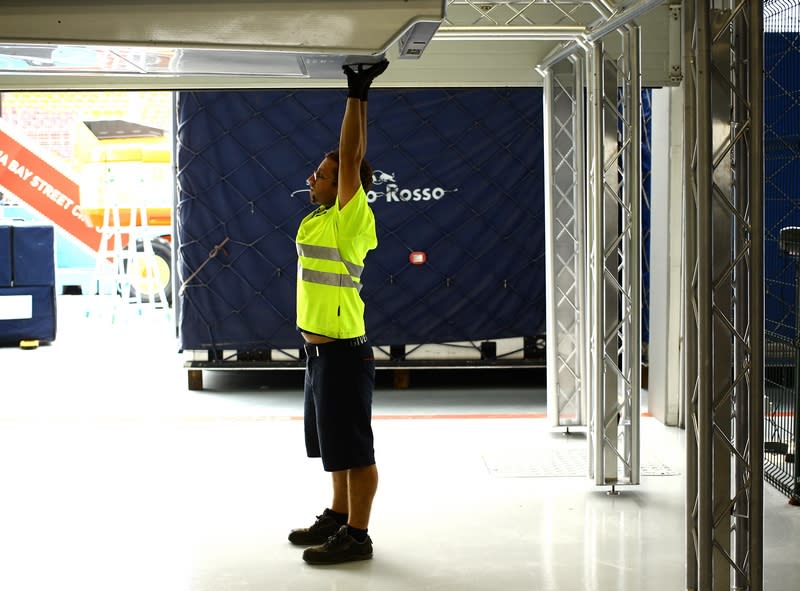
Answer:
(40, 184)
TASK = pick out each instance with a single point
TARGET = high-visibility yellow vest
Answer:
(331, 246)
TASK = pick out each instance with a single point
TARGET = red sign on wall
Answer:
(45, 188)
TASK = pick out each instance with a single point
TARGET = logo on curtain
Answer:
(385, 187)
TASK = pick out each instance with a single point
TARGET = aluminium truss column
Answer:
(725, 285)
(632, 271)
(614, 275)
(689, 322)
(565, 212)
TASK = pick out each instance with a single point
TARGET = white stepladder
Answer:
(126, 267)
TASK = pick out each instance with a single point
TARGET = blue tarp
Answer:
(459, 176)
(782, 175)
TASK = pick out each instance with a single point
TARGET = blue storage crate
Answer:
(5, 256)
(33, 254)
(27, 313)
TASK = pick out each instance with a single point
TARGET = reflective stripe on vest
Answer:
(328, 253)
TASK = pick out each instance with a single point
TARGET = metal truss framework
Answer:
(724, 354)
(594, 272)
(532, 13)
(614, 275)
(594, 254)
(565, 200)
(549, 18)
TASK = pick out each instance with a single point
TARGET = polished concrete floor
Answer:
(116, 477)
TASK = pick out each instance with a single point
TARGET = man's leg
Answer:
(348, 544)
(362, 483)
(331, 519)
(340, 492)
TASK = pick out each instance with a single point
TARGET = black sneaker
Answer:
(340, 547)
(324, 527)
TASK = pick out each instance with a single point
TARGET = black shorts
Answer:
(340, 379)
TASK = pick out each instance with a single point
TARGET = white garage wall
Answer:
(665, 368)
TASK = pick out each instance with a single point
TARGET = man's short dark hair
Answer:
(365, 172)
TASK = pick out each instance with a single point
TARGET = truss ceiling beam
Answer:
(509, 32)
(618, 20)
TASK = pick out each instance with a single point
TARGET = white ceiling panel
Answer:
(57, 45)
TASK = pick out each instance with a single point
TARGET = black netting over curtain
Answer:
(781, 245)
(458, 177)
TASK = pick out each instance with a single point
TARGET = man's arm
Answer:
(352, 147)
(353, 134)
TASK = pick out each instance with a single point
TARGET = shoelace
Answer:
(333, 538)
(319, 518)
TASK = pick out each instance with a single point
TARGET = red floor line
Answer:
(222, 418)
(497, 415)
(501, 415)
(492, 415)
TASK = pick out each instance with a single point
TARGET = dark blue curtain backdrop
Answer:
(781, 176)
(459, 177)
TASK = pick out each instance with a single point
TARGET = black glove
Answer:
(360, 77)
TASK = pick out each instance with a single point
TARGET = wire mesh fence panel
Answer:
(782, 243)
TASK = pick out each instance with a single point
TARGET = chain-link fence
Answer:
(782, 247)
